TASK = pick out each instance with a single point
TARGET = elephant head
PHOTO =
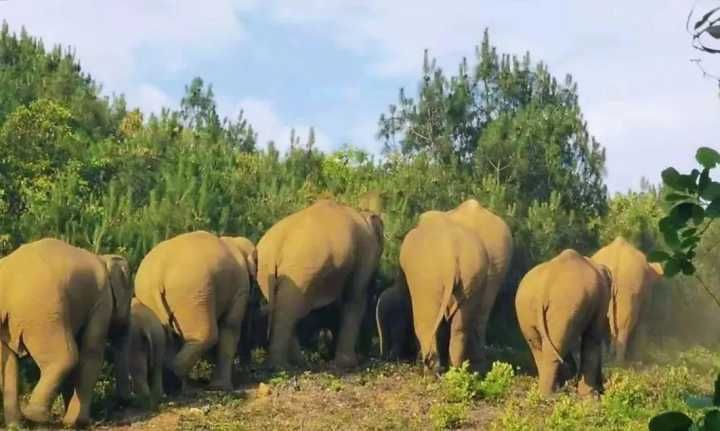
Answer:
(377, 227)
(120, 287)
(393, 316)
(247, 249)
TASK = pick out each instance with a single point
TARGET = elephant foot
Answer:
(123, 400)
(37, 415)
(345, 361)
(220, 385)
(76, 422)
(591, 395)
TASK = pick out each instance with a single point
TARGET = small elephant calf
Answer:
(146, 356)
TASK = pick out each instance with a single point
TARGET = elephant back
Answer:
(492, 231)
(71, 282)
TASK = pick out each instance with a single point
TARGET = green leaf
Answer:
(712, 421)
(674, 197)
(658, 256)
(688, 232)
(707, 157)
(690, 241)
(698, 214)
(716, 395)
(681, 213)
(672, 267)
(713, 209)
(670, 421)
(672, 178)
(711, 191)
(687, 267)
(704, 180)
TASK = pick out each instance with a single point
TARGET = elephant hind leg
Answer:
(590, 366)
(230, 328)
(9, 376)
(139, 372)
(460, 326)
(200, 333)
(289, 307)
(56, 356)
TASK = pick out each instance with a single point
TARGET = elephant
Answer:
(197, 285)
(325, 253)
(446, 268)
(561, 308)
(393, 316)
(498, 242)
(59, 304)
(633, 277)
(146, 356)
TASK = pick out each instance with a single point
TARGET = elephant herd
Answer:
(60, 305)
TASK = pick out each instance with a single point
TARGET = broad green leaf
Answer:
(688, 232)
(658, 256)
(670, 421)
(698, 214)
(674, 197)
(716, 395)
(672, 267)
(712, 421)
(672, 178)
(713, 210)
(704, 180)
(687, 267)
(711, 191)
(707, 157)
(671, 238)
(690, 241)
(681, 213)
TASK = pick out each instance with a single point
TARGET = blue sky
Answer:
(336, 65)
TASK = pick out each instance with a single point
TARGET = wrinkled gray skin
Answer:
(393, 315)
(146, 358)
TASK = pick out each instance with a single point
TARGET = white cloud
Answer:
(109, 36)
(630, 59)
(264, 118)
(149, 98)
(642, 97)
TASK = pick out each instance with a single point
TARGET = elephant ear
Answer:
(376, 225)
(122, 290)
(612, 289)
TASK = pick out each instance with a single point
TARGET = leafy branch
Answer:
(696, 205)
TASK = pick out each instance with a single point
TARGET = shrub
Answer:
(498, 381)
(448, 415)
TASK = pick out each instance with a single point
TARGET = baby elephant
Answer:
(562, 309)
(146, 356)
(393, 316)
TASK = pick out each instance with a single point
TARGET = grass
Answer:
(390, 396)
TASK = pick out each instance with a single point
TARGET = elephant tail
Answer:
(542, 319)
(171, 319)
(272, 293)
(379, 325)
(443, 311)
